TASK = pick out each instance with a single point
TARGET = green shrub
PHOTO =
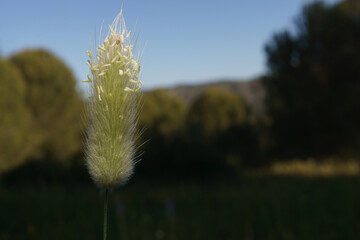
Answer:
(53, 101)
(215, 111)
(18, 137)
(162, 119)
(162, 114)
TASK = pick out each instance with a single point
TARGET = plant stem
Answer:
(105, 212)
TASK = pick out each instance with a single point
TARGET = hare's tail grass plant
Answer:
(113, 110)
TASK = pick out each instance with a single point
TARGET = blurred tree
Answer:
(215, 111)
(210, 149)
(313, 85)
(162, 118)
(162, 113)
(18, 137)
(53, 101)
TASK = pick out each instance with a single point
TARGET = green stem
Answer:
(105, 212)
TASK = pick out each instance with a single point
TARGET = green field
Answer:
(254, 208)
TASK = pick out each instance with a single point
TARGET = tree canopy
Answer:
(162, 113)
(17, 135)
(53, 101)
(313, 83)
(215, 111)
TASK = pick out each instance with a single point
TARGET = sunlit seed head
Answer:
(113, 107)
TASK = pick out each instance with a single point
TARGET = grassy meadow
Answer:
(251, 208)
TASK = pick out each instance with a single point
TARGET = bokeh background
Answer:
(251, 116)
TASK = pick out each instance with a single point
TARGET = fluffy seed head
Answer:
(113, 107)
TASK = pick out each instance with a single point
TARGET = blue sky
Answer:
(187, 41)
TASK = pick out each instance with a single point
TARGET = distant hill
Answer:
(252, 92)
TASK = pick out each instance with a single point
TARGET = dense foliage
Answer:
(161, 120)
(18, 137)
(40, 109)
(53, 101)
(213, 132)
(207, 138)
(215, 111)
(313, 85)
(162, 113)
